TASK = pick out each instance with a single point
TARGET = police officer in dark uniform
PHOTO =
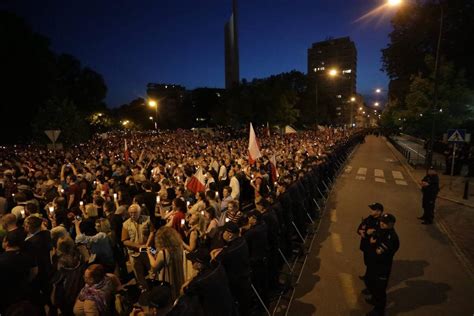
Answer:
(384, 245)
(257, 240)
(366, 229)
(234, 257)
(430, 189)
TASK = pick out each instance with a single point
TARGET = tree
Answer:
(415, 34)
(33, 75)
(62, 115)
(454, 99)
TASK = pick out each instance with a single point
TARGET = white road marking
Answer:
(347, 284)
(348, 169)
(380, 180)
(397, 175)
(401, 182)
(362, 171)
(360, 177)
(336, 242)
(378, 173)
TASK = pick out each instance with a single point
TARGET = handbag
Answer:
(162, 282)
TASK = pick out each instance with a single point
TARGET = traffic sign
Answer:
(456, 135)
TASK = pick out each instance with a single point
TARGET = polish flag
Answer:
(254, 150)
(126, 153)
(273, 165)
(197, 183)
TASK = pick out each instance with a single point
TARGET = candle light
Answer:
(202, 213)
(22, 213)
(51, 209)
(217, 194)
(182, 222)
(158, 199)
(227, 220)
(115, 196)
(187, 203)
(81, 203)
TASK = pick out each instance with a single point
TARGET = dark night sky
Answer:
(132, 43)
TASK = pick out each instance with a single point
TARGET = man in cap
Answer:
(235, 259)
(430, 189)
(384, 245)
(366, 229)
(156, 301)
(209, 280)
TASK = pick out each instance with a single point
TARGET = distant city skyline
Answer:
(181, 42)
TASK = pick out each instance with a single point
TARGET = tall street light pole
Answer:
(429, 156)
(429, 149)
(154, 104)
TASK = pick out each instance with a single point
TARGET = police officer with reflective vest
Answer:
(384, 244)
(366, 229)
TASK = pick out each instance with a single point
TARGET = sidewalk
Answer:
(456, 221)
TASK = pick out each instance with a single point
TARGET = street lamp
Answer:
(376, 104)
(378, 90)
(429, 148)
(154, 104)
(332, 72)
(352, 104)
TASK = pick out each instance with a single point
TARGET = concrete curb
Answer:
(440, 224)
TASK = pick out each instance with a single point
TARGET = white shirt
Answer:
(235, 185)
(223, 173)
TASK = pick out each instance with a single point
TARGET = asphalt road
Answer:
(427, 277)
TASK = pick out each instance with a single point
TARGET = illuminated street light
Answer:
(124, 123)
(154, 104)
(360, 109)
(378, 90)
(332, 72)
(151, 118)
(353, 99)
(376, 104)
(394, 3)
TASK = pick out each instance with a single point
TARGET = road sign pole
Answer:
(452, 163)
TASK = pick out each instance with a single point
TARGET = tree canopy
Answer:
(33, 76)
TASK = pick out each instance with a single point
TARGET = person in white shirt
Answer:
(235, 185)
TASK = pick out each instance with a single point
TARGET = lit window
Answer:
(166, 87)
(319, 69)
(347, 71)
(339, 96)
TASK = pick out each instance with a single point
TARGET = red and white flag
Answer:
(254, 150)
(126, 153)
(273, 165)
(197, 183)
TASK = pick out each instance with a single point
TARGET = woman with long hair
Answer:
(168, 261)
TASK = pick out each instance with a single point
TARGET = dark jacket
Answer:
(431, 190)
(235, 259)
(206, 284)
(367, 223)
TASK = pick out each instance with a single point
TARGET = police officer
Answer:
(430, 189)
(366, 229)
(234, 257)
(384, 245)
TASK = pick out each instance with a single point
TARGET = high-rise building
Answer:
(232, 76)
(332, 68)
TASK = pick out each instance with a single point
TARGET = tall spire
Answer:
(232, 76)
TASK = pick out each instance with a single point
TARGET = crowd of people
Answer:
(114, 226)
